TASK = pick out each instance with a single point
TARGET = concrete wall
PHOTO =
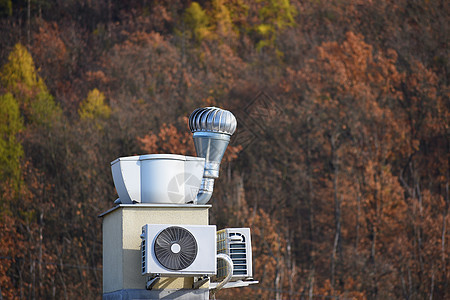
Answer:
(122, 228)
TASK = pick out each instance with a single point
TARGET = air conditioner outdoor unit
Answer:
(178, 250)
(236, 243)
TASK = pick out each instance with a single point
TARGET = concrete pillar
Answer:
(122, 227)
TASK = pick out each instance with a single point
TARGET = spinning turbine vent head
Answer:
(212, 119)
(212, 128)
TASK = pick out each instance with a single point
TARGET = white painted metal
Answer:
(157, 178)
(126, 172)
(204, 262)
(236, 243)
(233, 284)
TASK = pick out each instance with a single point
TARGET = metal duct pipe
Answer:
(212, 128)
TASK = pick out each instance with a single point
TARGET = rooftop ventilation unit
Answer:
(236, 243)
(178, 250)
(212, 128)
(157, 178)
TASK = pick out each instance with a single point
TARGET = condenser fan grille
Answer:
(175, 248)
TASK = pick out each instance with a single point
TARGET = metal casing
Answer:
(204, 262)
(212, 119)
(157, 178)
(236, 243)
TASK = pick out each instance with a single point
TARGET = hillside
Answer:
(340, 163)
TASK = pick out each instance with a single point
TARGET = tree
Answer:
(94, 108)
(274, 16)
(11, 151)
(5, 8)
(19, 77)
(197, 22)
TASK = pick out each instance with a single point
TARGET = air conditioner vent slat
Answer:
(237, 251)
(240, 267)
(237, 256)
(240, 261)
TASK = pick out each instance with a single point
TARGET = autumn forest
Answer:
(339, 165)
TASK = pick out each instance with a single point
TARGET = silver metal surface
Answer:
(211, 146)
(212, 119)
(212, 128)
(152, 281)
(205, 191)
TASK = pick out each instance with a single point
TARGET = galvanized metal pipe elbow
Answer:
(205, 191)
